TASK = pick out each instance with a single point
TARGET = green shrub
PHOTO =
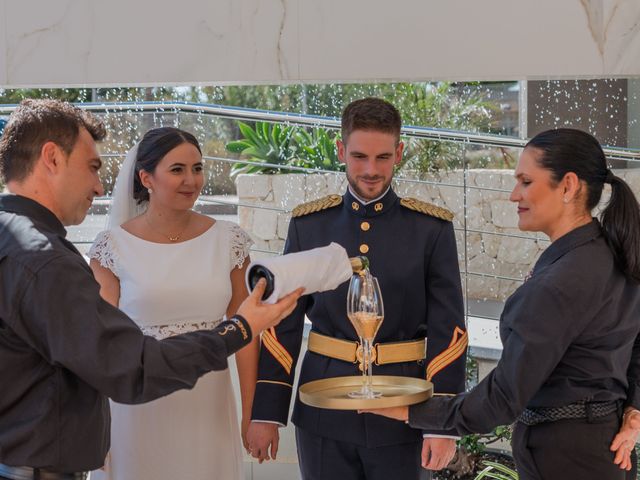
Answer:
(317, 150)
(477, 443)
(278, 145)
(268, 143)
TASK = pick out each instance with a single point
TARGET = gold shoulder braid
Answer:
(323, 203)
(427, 208)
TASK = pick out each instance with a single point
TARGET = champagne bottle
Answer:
(358, 265)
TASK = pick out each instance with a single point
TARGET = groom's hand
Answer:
(260, 436)
(437, 453)
(261, 316)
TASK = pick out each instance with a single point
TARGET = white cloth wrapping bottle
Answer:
(317, 270)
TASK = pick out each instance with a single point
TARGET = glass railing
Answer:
(470, 174)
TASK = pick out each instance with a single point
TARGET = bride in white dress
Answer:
(173, 270)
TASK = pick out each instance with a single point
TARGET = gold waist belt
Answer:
(382, 353)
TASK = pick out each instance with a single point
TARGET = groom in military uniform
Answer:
(412, 250)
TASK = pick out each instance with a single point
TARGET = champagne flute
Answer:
(365, 310)
(353, 306)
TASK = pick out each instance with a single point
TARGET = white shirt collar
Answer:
(367, 202)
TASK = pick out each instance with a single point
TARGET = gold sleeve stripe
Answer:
(275, 383)
(274, 341)
(452, 356)
(456, 348)
(277, 354)
(458, 342)
(277, 350)
(456, 335)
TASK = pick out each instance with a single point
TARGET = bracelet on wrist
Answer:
(240, 321)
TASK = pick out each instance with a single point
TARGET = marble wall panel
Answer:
(86, 42)
(450, 39)
(52, 40)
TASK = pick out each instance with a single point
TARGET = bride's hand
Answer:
(244, 427)
(261, 316)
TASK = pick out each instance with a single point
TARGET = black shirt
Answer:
(569, 333)
(64, 350)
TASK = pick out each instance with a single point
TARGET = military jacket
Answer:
(414, 256)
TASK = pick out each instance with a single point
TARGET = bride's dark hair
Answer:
(155, 144)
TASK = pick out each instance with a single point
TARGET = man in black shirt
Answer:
(64, 350)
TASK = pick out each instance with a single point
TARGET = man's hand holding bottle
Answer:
(261, 316)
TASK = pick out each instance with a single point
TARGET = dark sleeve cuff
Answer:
(235, 332)
(271, 401)
(633, 395)
(432, 416)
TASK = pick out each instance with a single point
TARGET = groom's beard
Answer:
(365, 195)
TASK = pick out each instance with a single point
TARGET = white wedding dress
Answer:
(169, 289)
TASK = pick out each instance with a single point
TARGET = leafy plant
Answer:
(318, 150)
(477, 443)
(444, 106)
(267, 143)
(471, 372)
(497, 471)
(276, 144)
(472, 448)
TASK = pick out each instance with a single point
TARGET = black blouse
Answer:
(569, 333)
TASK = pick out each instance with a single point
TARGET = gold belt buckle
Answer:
(360, 355)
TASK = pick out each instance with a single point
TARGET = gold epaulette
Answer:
(318, 205)
(427, 208)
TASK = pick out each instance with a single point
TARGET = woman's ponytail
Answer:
(621, 224)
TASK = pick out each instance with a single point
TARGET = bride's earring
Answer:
(150, 191)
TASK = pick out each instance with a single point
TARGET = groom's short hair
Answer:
(36, 122)
(373, 115)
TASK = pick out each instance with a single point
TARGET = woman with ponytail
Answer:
(570, 365)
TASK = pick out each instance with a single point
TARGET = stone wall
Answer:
(278, 195)
(494, 255)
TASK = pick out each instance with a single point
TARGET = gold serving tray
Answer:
(332, 393)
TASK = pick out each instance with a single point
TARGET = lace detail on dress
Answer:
(240, 244)
(160, 332)
(103, 251)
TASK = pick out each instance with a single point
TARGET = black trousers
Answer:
(569, 449)
(323, 458)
